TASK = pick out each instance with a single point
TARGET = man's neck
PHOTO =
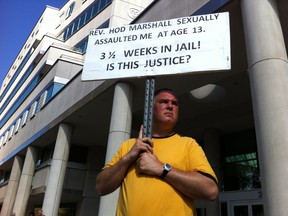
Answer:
(162, 133)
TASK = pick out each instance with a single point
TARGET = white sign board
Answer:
(181, 45)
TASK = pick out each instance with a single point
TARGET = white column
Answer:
(120, 128)
(268, 71)
(212, 151)
(57, 173)
(12, 186)
(24, 188)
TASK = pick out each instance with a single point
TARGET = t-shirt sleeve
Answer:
(114, 159)
(199, 162)
(123, 150)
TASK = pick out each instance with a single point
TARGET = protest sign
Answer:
(181, 45)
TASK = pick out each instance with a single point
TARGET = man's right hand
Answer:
(141, 145)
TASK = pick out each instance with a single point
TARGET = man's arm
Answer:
(191, 184)
(109, 179)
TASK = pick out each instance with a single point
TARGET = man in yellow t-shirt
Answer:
(162, 175)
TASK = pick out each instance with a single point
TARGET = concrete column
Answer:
(23, 191)
(120, 128)
(12, 186)
(268, 72)
(212, 151)
(57, 173)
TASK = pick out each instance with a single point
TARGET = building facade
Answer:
(57, 132)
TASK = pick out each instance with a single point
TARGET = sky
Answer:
(17, 19)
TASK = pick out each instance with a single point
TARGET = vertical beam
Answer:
(120, 128)
(268, 72)
(12, 187)
(57, 173)
(23, 191)
(148, 107)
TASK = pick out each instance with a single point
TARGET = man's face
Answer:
(165, 110)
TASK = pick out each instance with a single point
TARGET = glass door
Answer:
(247, 209)
(241, 210)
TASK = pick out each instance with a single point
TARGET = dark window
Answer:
(85, 17)
(78, 154)
(45, 154)
(71, 9)
(240, 161)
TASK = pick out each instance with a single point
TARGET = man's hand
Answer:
(141, 145)
(149, 164)
(146, 163)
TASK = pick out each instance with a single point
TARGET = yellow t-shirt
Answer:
(151, 196)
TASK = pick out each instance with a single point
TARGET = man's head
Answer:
(165, 113)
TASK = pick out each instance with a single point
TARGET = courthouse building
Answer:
(57, 131)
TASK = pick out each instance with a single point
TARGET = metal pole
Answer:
(148, 107)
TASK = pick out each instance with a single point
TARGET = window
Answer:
(85, 17)
(65, 209)
(23, 95)
(4, 176)
(1, 141)
(240, 161)
(15, 76)
(24, 118)
(32, 110)
(245, 167)
(11, 132)
(53, 90)
(89, 14)
(70, 9)
(17, 125)
(82, 45)
(45, 154)
(78, 154)
(42, 100)
(6, 137)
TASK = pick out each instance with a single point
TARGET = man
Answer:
(161, 176)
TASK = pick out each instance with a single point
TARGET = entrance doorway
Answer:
(241, 203)
(247, 209)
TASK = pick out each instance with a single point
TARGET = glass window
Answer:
(88, 15)
(224, 209)
(65, 209)
(82, 45)
(68, 32)
(240, 161)
(73, 28)
(241, 210)
(45, 154)
(102, 4)
(81, 21)
(70, 9)
(78, 154)
(96, 8)
(4, 176)
(77, 24)
(53, 90)
(92, 11)
(24, 94)
(16, 74)
(257, 210)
